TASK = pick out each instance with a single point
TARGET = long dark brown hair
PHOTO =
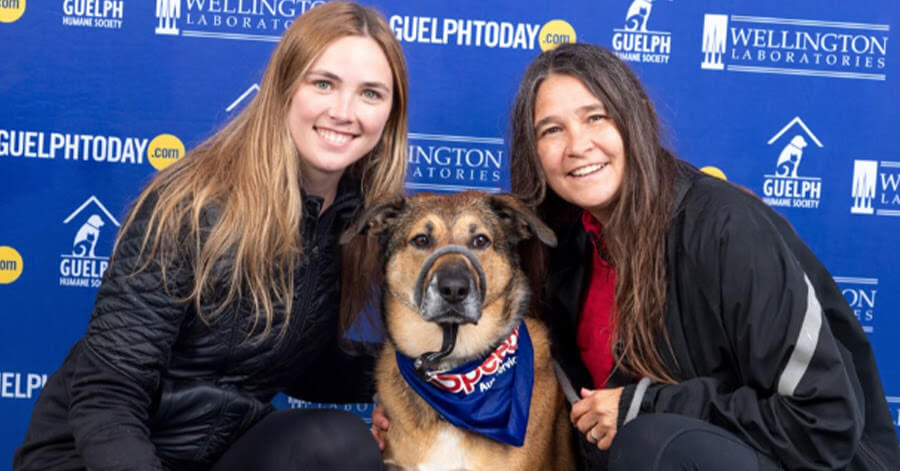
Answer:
(635, 234)
(250, 170)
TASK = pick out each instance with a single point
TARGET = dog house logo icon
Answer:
(635, 42)
(81, 266)
(787, 187)
(638, 14)
(87, 236)
(789, 159)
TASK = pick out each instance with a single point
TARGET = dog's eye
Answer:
(420, 241)
(480, 242)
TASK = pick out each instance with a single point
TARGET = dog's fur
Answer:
(418, 439)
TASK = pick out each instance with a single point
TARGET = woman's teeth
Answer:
(587, 170)
(332, 137)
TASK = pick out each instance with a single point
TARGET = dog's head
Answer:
(451, 260)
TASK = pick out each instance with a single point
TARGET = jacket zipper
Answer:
(311, 256)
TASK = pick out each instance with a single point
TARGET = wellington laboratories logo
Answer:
(790, 46)
(635, 42)
(876, 188)
(444, 163)
(93, 228)
(243, 20)
(786, 187)
(860, 294)
(106, 14)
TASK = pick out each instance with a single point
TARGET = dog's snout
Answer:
(453, 284)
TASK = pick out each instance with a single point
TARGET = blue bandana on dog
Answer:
(490, 397)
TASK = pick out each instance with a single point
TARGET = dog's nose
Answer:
(453, 284)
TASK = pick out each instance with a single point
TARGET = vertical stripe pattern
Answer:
(807, 340)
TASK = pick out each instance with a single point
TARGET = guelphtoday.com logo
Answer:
(162, 151)
(11, 10)
(11, 265)
(497, 34)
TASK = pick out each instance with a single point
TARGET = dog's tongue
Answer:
(426, 360)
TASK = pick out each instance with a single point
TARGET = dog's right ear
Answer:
(523, 222)
(375, 220)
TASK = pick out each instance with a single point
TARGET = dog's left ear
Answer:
(521, 220)
(375, 220)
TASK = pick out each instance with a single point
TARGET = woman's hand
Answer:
(596, 415)
(380, 425)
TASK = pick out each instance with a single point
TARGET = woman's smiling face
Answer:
(580, 148)
(339, 110)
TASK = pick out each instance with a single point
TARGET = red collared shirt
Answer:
(596, 322)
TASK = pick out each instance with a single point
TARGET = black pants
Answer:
(307, 439)
(669, 442)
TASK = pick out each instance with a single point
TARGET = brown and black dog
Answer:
(454, 295)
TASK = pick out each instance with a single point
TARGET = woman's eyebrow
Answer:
(325, 74)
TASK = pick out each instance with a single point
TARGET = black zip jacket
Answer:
(150, 386)
(763, 342)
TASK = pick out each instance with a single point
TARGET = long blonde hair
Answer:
(250, 172)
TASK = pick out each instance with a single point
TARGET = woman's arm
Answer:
(129, 339)
(796, 396)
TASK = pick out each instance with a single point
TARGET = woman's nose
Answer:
(341, 107)
(580, 142)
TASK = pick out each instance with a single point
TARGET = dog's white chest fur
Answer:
(446, 452)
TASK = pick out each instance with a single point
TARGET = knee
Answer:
(673, 442)
(321, 439)
(335, 432)
(647, 432)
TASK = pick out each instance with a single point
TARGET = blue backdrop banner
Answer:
(793, 100)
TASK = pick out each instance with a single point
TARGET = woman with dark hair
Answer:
(224, 284)
(701, 330)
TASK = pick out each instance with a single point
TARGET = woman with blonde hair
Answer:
(224, 287)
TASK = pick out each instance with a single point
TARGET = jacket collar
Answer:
(347, 199)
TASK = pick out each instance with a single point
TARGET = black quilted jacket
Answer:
(151, 386)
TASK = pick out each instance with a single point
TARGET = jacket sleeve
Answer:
(129, 339)
(796, 396)
(336, 377)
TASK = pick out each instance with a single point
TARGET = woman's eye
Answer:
(480, 242)
(550, 130)
(371, 95)
(596, 117)
(322, 84)
(420, 241)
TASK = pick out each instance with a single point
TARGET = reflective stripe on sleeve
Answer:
(806, 344)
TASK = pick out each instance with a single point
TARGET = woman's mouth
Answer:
(587, 170)
(333, 137)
